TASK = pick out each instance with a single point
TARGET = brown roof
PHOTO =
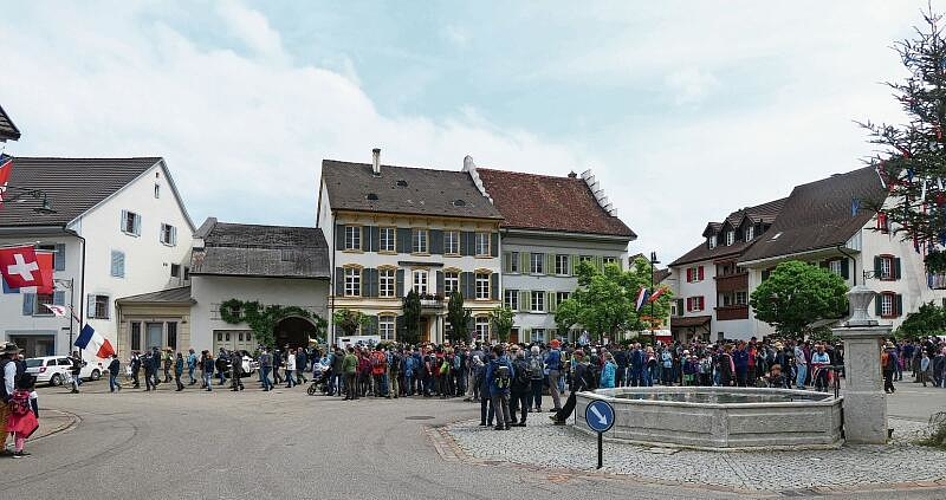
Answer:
(818, 215)
(181, 295)
(689, 321)
(404, 190)
(260, 251)
(661, 274)
(759, 213)
(8, 131)
(531, 201)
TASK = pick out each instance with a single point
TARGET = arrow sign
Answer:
(599, 415)
(601, 418)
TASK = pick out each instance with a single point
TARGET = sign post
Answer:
(599, 415)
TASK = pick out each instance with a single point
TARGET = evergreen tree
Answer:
(458, 318)
(501, 319)
(410, 319)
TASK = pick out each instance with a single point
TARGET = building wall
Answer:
(211, 291)
(157, 314)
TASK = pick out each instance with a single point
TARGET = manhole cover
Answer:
(420, 417)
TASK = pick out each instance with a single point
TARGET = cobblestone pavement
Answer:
(851, 467)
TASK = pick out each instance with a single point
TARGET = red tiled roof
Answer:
(531, 201)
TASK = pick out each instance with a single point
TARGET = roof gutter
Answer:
(786, 256)
(514, 231)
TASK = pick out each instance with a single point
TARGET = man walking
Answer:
(191, 366)
(350, 369)
(265, 367)
(150, 371)
(499, 375)
(113, 369)
(207, 369)
(76, 370)
(135, 369)
(553, 361)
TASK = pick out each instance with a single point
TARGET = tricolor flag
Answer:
(25, 270)
(93, 341)
(58, 311)
(6, 168)
(642, 298)
(656, 295)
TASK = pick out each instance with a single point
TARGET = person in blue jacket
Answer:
(499, 375)
(608, 372)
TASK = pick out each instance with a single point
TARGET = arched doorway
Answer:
(294, 331)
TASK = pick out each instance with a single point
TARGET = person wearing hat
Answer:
(889, 362)
(8, 375)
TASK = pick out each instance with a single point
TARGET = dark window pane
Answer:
(136, 336)
(172, 335)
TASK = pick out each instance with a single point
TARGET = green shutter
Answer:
(899, 303)
(551, 298)
(845, 271)
(878, 311)
(550, 263)
(524, 267)
(574, 264)
(506, 262)
(896, 269)
(877, 267)
(524, 301)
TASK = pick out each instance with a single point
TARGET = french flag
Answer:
(91, 340)
(642, 298)
(656, 295)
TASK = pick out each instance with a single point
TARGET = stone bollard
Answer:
(865, 404)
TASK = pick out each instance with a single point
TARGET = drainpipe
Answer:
(82, 299)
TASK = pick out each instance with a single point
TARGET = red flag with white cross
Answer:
(24, 271)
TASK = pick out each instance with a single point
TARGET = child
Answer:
(776, 379)
(22, 421)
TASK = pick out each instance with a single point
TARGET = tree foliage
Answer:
(605, 301)
(263, 319)
(410, 319)
(459, 318)
(798, 294)
(912, 157)
(501, 319)
(349, 321)
(929, 319)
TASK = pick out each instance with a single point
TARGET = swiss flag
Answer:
(25, 270)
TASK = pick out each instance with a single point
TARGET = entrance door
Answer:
(424, 329)
(155, 335)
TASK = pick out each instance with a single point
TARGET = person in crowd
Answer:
(167, 361)
(819, 363)
(349, 367)
(379, 368)
(150, 371)
(521, 388)
(290, 368)
(801, 366)
(236, 372)
(775, 379)
(191, 366)
(135, 364)
(553, 361)
(499, 375)
(740, 358)
(221, 366)
(266, 367)
(536, 377)
(889, 362)
(726, 366)
(395, 361)
(114, 368)
(608, 373)
(207, 370)
(338, 372)
(8, 377)
(923, 371)
(302, 361)
(487, 411)
(179, 372)
(580, 382)
(21, 420)
(75, 370)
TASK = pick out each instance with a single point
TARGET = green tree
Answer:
(410, 320)
(459, 318)
(929, 319)
(912, 156)
(797, 295)
(501, 319)
(349, 321)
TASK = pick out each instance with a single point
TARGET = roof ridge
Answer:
(242, 224)
(101, 158)
(360, 164)
(547, 176)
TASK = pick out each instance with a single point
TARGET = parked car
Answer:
(56, 370)
(250, 365)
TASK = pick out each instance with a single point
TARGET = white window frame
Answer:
(711, 241)
(482, 289)
(482, 244)
(387, 240)
(420, 241)
(481, 328)
(886, 268)
(537, 335)
(387, 283)
(352, 282)
(451, 282)
(562, 264)
(887, 305)
(750, 233)
(451, 242)
(537, 263)
(386, 327)
(609, 260)
(740, 298)
(835, 266)
(514, 262)
(134, 219)
(168, 235)
(353, 238)
(730, 237)
(537, 298)
(96, 302)
(511, 299)
(420, 280)
(562, 297)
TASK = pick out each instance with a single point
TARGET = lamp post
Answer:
(69, 284)
(653, 269)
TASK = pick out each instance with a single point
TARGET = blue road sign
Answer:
(599, 415)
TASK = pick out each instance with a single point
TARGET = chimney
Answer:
(376, 161)
(572, 175)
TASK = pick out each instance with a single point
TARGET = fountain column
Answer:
(865, 404)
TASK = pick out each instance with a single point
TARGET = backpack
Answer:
(523, 379)
(885, 361)
(445, 367)
(376, 359)
(502, 377)
(20, 403)
(535, 368)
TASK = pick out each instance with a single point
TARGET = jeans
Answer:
(554, 375)
(801, 376)
(267, 384)
(519, 403)
(208, 380)
(190, 375)
(291, 378)
(113, 382)
(537, 386)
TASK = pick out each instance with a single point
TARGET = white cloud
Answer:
(456, 35)
(691, 85)
(252, 28)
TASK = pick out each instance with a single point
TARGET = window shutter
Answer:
(59, 259)
(573, 264)
(59, 298)
(878, 305)
(399, 282)
(465, 238)
(878, 269)
(90, 306)
(524, 299)
(899, 303)
(436, 242)
(121, 225)
(108, 308)
(896, 269)
(524, 262)
(680, 307)
(494, 286)
(339, 237)
(440, 284)
(339, 282)
(118, 264)
(494, 244)
(689, 277)
(29, 301)
(845, 271)
(173, 236)
(137, 225)
(404, 243)
(550, 298)
(700, 273)
(550, 263)
(689, 304)
(369, 282)
(467, 285)
(506, 262)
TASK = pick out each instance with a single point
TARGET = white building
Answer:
(118, 228)
(550, 224)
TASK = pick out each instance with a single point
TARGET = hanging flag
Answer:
(58, 311)
(90, 340)
(656, 295)
(642, 298)
(24, 270)
(6, 168)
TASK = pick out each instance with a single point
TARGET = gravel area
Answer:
(561, 447)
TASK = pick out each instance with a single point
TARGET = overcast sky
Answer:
(686, 111)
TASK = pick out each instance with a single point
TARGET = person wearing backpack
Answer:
(553, 361)
(536, 377)
(521, 389)
(499, 375)
(394, 373)
(608, 372)
(22, 421)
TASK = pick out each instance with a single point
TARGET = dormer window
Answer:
(730, 237)
(711, 242)
(750, 233)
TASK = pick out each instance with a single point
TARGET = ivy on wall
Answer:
(262, 319)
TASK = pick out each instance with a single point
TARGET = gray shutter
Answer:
(59, 259)
(108, 308)
(173, 236)
(339, 237)
(494, 286)
(374, 238)
(494, 244)
(467, 285)
(440, 284)
(118, 264)
(59, 298)
(90, 306)
(29, 301)
(403, 240)
(137, 224)
(845, 272)
(896, 269)
(436, 242)
(339, 282)
(372, 281)
(399, 281)
(121, 225)
(466, 243)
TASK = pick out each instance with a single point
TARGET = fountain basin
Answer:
(719, 418)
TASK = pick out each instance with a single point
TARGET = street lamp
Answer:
(20, 194)
(653, 271)
(69, 284)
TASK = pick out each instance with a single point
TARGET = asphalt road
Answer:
(284, 444)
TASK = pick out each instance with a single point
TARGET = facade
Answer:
(550, 224)
(711, 289)
(117, 228)
(394, 229)
(157, 319)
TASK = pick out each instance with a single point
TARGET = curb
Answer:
(71, 422)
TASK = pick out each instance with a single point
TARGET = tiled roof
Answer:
(261, 251)
(8, 131)
(543, 202)
(818, 215)
(759, 213)
(689, 321)
(181, 295)
(404, 190)
(72, 186)
(661, 274)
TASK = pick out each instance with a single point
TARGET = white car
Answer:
(56, 370)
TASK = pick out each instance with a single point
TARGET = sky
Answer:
(684, 110)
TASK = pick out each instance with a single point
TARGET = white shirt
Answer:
(9, 374)
(291, 362)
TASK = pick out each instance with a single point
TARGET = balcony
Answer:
(430, 302)
(732, 312)
(732, 282)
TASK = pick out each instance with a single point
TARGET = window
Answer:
(386, 283)
(610, 260)
(386, 327)
(538, 301)
(98, 307)
(537, 263)
(131, 223)
(118, 264)
(482, 244)
(420, 282)
(387, 237)
(711, 242)
(136, 336)
(157, 191)
(511, 299)
(538, 335)
(561, 265)
(511, 265)
(482, 286)
(887, 301)
(419, 241)
(562, 297)
(172, 335)
(451, 282)
(694, 274)
(352, 282)
(187, 273)
(695, 304)
(887, 267)
(835, 266)
(587, 258)
(39, 304)
(168, 235)
(451, 242)
(742, 298)
(882, 223)
(481, 328)
(750, 233)
(730, 237)
(352, 237)
(175, 270)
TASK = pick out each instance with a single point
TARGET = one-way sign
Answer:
(599, 415)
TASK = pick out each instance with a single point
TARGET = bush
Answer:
(936, 436)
